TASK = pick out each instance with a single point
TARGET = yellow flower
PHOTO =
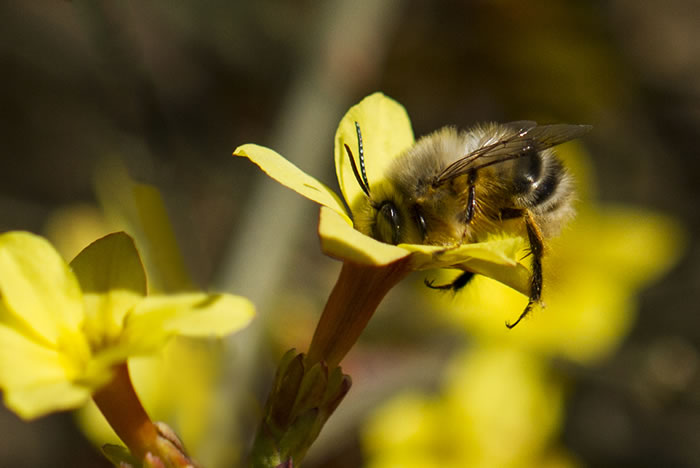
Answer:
(63, 329)
(386, 134)
(592, 273)
(175, 385)
(483, 417)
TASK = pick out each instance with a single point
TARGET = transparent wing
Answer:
(528, 138)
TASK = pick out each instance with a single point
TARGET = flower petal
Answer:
(340, 240)
(24, 362)
(386, 133)
(291, 176)
(479, 397)
(157, 318)
(635, 256)
(37, 286)
(113, 281)
(35, 378)
(498, 259)
(33, 402)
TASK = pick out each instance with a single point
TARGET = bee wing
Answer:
(529, 137)
(521, 125)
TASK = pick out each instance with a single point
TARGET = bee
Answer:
(453, 187)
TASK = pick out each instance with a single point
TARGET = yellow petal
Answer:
(483, 402)
(386, 133)
(340, 240)
(24, 362)
(157, 318)
(113, 281)
(36, 379)
(635, 245)
(406, 424)
(291, 176)
(499, 259)
(37, 287)
(31, 403)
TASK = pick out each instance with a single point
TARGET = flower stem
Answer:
(122, 408)
(355, 297)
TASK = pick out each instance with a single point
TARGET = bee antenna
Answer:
(361, 179)
(362, 156)
(354, 170)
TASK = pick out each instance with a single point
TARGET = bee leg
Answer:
(537, 250)
(458, 283)
(471, 198)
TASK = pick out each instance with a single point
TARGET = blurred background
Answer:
(98, 96)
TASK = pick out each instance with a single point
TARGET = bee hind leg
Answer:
(457, 284)
(537, 250)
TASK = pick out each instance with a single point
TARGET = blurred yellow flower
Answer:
(63, 329)
(498, 407)
(181, 384)
(386, 134)
(592, 273)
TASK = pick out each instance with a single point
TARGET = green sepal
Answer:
(301, 400)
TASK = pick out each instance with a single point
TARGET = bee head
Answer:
(397, 220)
(388, 220)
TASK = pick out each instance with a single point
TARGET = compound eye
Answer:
(388, 224)
(422, 225)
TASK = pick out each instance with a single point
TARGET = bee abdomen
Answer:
(548, 187)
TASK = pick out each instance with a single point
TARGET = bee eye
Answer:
(421, 223)
(387, 226)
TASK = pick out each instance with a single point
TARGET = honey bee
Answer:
(453, 187)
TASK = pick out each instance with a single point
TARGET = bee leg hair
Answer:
(537, 250)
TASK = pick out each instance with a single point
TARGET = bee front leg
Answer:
(471, 197)
(537, 250)
(457, 284)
